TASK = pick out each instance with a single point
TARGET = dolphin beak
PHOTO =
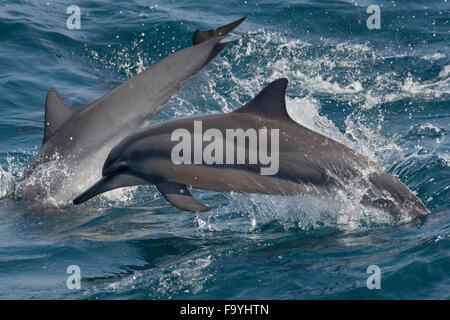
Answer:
(108, 183)
(101, 186)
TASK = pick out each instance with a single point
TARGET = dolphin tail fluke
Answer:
(201, 36)
(109, 183)
(179, 196)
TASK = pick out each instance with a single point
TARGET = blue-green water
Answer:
(383, 92)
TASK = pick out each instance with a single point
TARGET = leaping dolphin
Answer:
(309, 163)
(77, 141)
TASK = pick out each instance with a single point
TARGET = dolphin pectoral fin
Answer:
(180, 197)
(109, 183)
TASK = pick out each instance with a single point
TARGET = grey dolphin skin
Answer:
(309, 163)
(77, 141)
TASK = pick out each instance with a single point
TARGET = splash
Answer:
(252, 213)
(6, 182)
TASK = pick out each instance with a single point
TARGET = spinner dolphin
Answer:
(77, 141)
(308, 162)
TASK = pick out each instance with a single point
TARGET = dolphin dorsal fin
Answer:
(201, 36)
(56, 114)
(270, 101)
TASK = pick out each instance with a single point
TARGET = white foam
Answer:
(6, 182)
(434, 56)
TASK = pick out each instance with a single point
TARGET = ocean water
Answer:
(383, 92)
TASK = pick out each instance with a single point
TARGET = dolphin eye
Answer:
(122, 166)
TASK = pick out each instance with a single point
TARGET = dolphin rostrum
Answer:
(77, 141)
(309, 163)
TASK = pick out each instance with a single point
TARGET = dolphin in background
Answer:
(309, 163)
(77, 141)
